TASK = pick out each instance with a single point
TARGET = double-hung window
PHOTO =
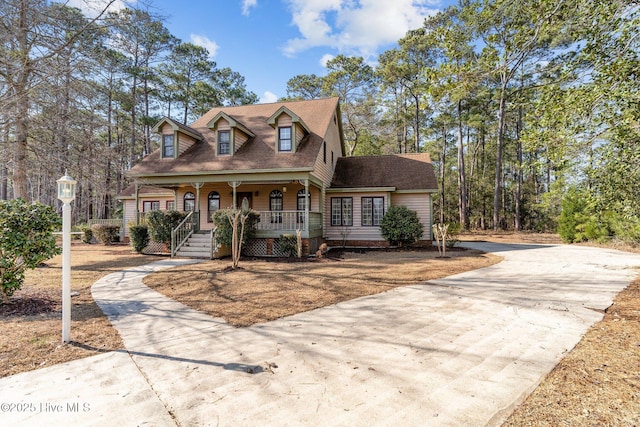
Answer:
(372, 211)
(167, 146)
(224, 142)
(342, 211)
(148, 206)
(284, 139)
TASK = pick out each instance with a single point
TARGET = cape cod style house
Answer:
(285, 160)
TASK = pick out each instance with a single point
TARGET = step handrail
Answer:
(181, 234)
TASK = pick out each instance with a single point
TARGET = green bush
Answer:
(87, 234)
(224, 229)
(26, 240)
(453, 232)
(139, 237)
(580, 220)
(288, 244)
(161, 223)
(401, 226)
(106, 233)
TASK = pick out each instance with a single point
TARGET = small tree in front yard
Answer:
(26, 240)
(401, 226)
(233, 228)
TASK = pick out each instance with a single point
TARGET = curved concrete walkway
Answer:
(458, 351)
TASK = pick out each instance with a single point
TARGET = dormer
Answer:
(176, 138)
(230, 134)
(290, 130)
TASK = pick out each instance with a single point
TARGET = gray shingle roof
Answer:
(258, 152)
(402, 171)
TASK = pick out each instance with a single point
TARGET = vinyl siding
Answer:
(184, 143)
(357, 231)
(324, 170)
(418, 202)
(421, 203)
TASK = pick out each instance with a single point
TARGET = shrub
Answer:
(106, 233)
(401, 225)
(87, 234)
(26, 240)
(139, 235)
(160, 224)
(453, 232)
(288, 244)
(224, 229)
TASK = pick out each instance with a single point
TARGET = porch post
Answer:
(234, 185)
(137, 210)
(307, 197)
(198, 186)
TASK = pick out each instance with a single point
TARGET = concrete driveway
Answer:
(458, 351)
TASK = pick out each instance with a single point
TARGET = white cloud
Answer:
(92, 8)
(206, 43)
(354, 26)
(247, 5)
(326, 58)
(268, 97)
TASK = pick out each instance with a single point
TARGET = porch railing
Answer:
(183, 231)
(289, 220)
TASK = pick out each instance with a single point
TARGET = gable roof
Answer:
(234, 123)
(178, 126)
(402, 171)
(259, 152)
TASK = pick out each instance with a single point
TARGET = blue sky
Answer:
(270, 41)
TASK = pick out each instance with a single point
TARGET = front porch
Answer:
(272, 224)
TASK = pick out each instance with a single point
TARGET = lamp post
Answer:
(66, 194)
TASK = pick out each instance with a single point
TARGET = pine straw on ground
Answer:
(31, 323)
(262, 290)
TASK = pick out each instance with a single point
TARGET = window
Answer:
(167, 146)
(372, 211)
(224, 142)
(302, 203)
(171, 205)
(150, 206)
(275, 204)
(189, 202)
(213, 205)
(324, 152)
(284, 139)
(341, 211)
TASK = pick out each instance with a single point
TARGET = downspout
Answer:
(307, 207)
(137, 210)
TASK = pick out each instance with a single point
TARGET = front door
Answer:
(245, 200)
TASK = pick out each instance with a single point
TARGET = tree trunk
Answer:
(499, 149)
(20, 92)
(442, 173)
(518, 218)
(462, 180)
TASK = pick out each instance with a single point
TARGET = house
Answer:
(287, 161)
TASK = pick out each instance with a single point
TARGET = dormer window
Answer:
(284, 138)
(167, 146)
(224, 142)
(175, 138)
